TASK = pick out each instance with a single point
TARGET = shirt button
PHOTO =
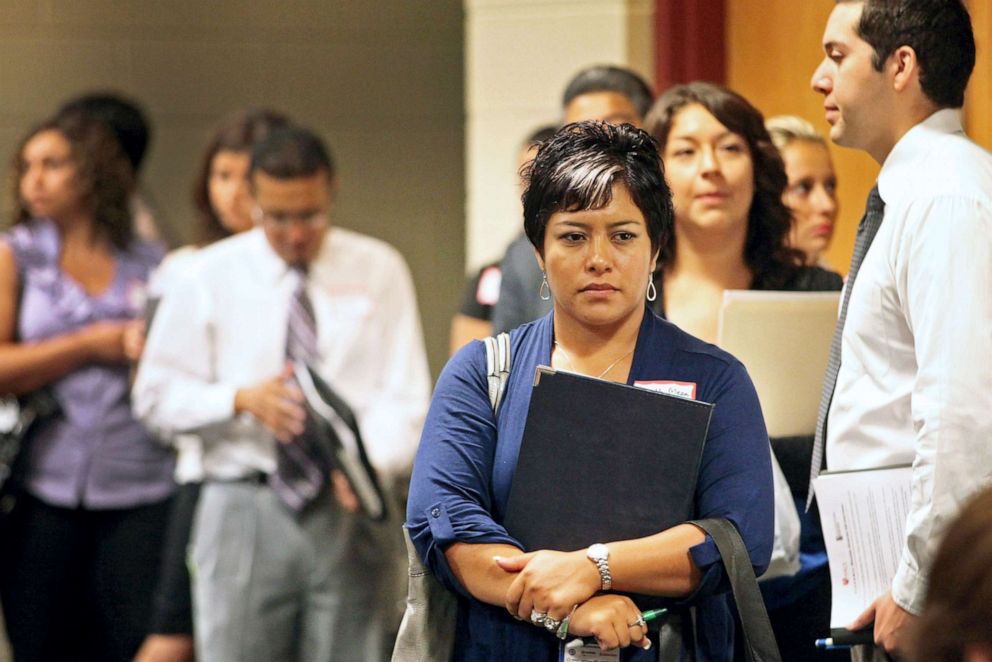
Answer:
(435, 512)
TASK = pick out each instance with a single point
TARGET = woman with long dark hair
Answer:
(82, 543)
(731, 233)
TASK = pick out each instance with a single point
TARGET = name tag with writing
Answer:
(681, 389)
(576, 651)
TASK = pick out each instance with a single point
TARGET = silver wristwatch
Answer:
(600, 555)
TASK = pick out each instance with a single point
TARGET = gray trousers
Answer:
(272, 585)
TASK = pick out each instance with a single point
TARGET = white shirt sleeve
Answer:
(944, 280)
(392, 422)
(174, 390)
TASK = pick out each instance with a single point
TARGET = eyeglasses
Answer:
(283, 220)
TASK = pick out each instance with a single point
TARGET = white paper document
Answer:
(863, 514)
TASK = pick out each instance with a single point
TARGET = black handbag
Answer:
(18, 417)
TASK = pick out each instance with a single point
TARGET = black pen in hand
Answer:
(841, 638)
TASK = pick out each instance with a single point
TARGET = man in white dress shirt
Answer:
(915, 377)
(277, 577)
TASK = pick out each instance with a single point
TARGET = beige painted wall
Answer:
(381, 80)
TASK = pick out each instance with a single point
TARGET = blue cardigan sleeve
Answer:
(451, 497)
(735, 478)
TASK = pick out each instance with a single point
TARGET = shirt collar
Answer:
(271, 267)
(904, 161)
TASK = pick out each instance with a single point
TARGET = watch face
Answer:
(598, 551)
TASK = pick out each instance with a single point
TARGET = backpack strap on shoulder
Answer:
(497, 367)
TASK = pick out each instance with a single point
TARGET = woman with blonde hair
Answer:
(811, 194)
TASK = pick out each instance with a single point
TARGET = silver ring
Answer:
(638, 622)
(537, 617)
(550, 624)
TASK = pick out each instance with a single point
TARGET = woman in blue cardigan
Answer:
(597, 210)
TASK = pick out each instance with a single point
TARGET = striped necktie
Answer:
(302, 468)
(867, 229)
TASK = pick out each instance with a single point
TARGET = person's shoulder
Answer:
(971, 164)
(686, 346)
(467, 364)
(230, 249)
(146, 253)
(520, 252)
(172, 267)
(714, 371)
(342, 243)
(814, 279)
(947, 166)
(218, 265)
(34, 241)
(520, 243)
(180, 257)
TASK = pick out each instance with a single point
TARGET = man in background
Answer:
(474, 319)
(284, 566)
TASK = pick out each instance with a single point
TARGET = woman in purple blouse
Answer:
(81, 546)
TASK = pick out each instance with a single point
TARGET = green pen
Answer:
(652, 614)
(646, 616)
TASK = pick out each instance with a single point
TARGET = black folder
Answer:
(337, 428)
(601, 461)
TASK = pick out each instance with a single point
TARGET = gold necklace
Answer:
(600, 375)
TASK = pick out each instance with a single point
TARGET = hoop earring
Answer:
(545, 290)
(652, 290)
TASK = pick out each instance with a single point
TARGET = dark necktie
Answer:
(867, 229)
(302, 468)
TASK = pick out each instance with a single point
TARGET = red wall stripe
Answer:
(690, 42)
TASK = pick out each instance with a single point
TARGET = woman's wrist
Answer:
(562, 632)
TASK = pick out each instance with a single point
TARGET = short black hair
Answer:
(291, 153)
(123, 116)
(609, 78)
(766, 252)
(577, 168)
(940, 33)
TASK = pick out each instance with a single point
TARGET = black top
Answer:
(481, 293)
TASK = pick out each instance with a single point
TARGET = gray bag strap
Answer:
(497, 367)
(759, 639)
(427, 632)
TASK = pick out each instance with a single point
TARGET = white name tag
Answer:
(353, 306)
(681, 389)
(576, 651)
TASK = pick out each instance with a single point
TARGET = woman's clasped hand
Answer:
(559, 585)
